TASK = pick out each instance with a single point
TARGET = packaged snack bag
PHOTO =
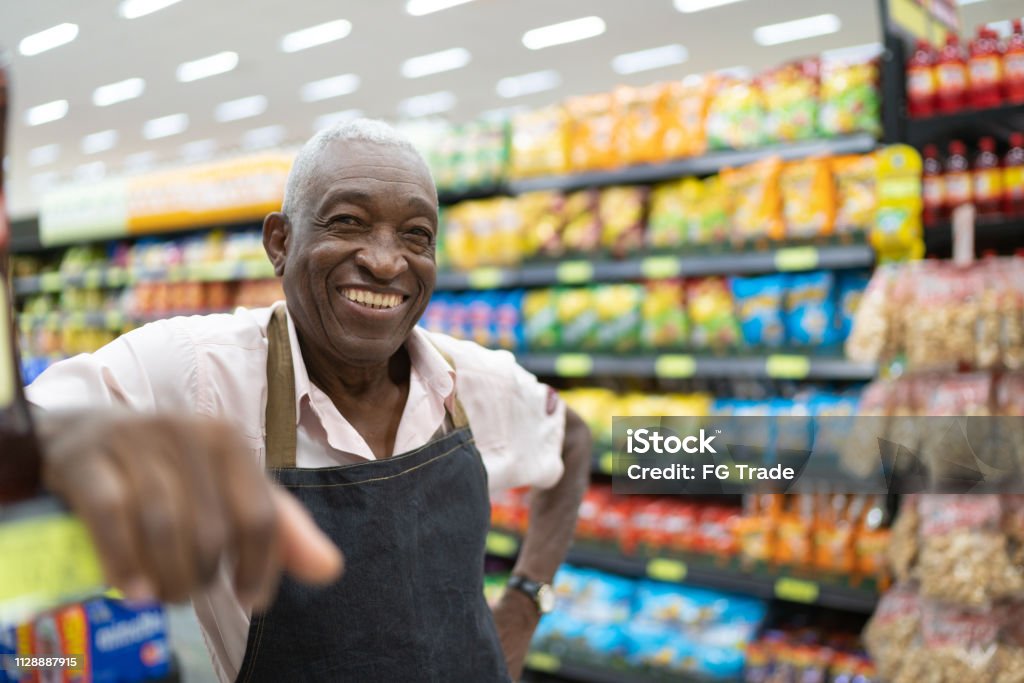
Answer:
(459, 237)
(834, 530)
(793, 542)
(582, 221)
(756, 201)
(713, 223)
(850, 290)
(685, 111)
(759, 305)
(892, 630)
(541, 328)
(541, 221)
(710, 309)
(850, 100)
(736, 116)
(577, 317)
(593, 132)
(508, 324)
(641, 119)
(618, 317)
(668, 226)
(621, 214)
(539, 142)
(755, 530)
(791, 101)
(663, 313)
(810, 309)
(808, 198)
(1011, 311)
(873, 539)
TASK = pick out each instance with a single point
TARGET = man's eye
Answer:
(422, 233)
(346, 220)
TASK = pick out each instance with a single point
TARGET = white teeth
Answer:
(372, 299)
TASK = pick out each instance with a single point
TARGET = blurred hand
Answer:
(167, 498)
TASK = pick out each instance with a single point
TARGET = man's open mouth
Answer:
(376, 300)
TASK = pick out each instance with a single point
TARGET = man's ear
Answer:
(276, 231)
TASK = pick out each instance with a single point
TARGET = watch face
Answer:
(546, 599)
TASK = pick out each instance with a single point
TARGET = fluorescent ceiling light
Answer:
(41, 182)
(329, 120)
(140, 161)
(45, 113)
(528, 84)
(198, 150)
(133, 9)
(267, 136)
(798, 29)
(58, 35)
(418, 8)
(220, 63)
(336, 86)
(564, 32)
(689, 6)
(425, 105)
(652, 58)
(94, 170)
(316, 35)
(128, 89)
(242, 108)
(436, 62)
(41, 156)
(164, 126)
(99, 142)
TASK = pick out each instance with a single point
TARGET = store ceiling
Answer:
(109, 48)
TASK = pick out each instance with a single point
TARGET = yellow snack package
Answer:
(539, 144)
(641, 122)
(621, 213)
(459, 238)
(808, 198)
(856, 192)
(713, 218)
(736, 115)
(685, 111)
(592, 132)
(756, 201)
(666, 224)
(540, 218)
(582, 231)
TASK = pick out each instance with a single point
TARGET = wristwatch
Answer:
(542, 594)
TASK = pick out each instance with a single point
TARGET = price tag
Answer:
(666, 570)
(502, 545)
(796, 258)
(575, 272)
(543, 662)
(797, 590)
(51, 282)
(573, 365)
(606, 463)
(660, 267)
(675, 366)
(788, 367)
(485, 278)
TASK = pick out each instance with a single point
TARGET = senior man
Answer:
(388, 435)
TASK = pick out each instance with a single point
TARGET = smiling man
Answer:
(389, 436)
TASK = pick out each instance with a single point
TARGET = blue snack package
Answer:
(849, 291)
(508, 323)
(435, 318)
(810, 310)
(758, 302)
(480, 313)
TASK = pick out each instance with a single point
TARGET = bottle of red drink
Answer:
(1013, 176)
(922, 86)
(1013, 65)
(934, 188)
(988, 179)
(959, 188)
(985, 69)
(951, 71)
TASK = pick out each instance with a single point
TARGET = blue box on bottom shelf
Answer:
(116, 643)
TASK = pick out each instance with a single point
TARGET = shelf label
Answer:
(796, 258)
(51, 282)
(501, 545)
(660, 267)
(675, 366)
(606, 463)
(543, 662)
(663, 569)
(485, 278)
(573, 365)
(788, 367)
(575, 272)
(797, 590)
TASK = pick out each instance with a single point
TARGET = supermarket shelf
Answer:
(683, 366)
(541, 666)
(113, 320)
(119, 277)
(970, 124)
(706, 574)
(696, 166)
(447, 196)
(1004, 235)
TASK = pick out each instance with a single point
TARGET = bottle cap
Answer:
(987, 144)
(957, 147)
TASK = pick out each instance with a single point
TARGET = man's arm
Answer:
(552, 522)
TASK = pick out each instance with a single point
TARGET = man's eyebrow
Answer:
(351, 196)
(422, 205)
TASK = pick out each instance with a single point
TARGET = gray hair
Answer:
(303, 170)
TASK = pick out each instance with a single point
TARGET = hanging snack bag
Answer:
(808, 198)
(593, 132)
(710, 308)
(856, 197)
(810, 309)
(685, 111)
(758, 302)
(539, 142)
(641, 116)
(756, 201)
(736, 115)
(663, 313)
(621, 214)
(791, 101)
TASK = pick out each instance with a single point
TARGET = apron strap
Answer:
(281, 431)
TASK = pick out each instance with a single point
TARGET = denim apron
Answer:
(410, 606)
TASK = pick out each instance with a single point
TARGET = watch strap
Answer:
(525, 585)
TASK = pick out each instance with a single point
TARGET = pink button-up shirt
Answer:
(216, 366)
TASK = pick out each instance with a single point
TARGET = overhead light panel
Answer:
(261, 138)
(99, 142)
(329, 120)
(41, 156)
(164, 126)
(45, 113)
(564, 32)
(798, 29)
(336, 86)
(436, 62)
(128, 89)
(652, 58)
(198, 150)
(133, 9)
(242, 108)
(690, 6)
(418, 8)
(220, 63)
(427, 105)
(528, 84)
(316, 35)
(58, 35)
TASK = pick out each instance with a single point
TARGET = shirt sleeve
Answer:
(149, 369)
(518, 422)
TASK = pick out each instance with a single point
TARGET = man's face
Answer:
(360, 253)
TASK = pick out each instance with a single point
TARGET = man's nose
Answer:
(382, 257)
